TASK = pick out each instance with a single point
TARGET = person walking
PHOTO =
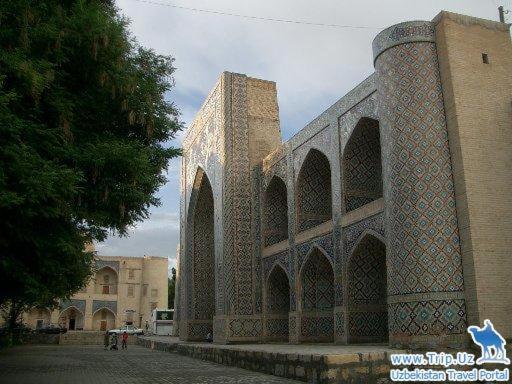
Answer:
(113, 342)
(106, 340)
(124, 340)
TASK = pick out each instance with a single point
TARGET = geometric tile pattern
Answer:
(317, 326)
(245, 327)
(278, 292)
(367, 273)
(421, 225)
(412, 169)
(199, 330)
(325, 243)
(276, 212)
(339, 324)
(317, 282)
(98, 304)
(362, 168)
(277, 327)
(237, 203)
(78, 304)
(434, 317)
(368, 327)
(204, 254)
(367, 292)
(314, 191)
(420, 195)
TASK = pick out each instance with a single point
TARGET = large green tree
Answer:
(84, 125)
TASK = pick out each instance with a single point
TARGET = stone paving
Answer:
(91, 364)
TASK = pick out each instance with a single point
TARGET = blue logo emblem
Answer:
(491, 343)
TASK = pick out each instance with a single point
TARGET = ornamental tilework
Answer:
(433, 317)
(278, 294)
(367, 291)
(339, 324)
(314, 204)
(257, 194)
(78, 304)
(98, 304)
(388, 138)
(204, 254)
(368, 326)
(245, 327)
(199, 330)
(325, 243)
(317, 326)
(362, 169)
(351, 234)
(317, 282)
(367, 273)
(276, 212)
(422, 221)
(277, 327)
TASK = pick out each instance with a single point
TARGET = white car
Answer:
(129, 329)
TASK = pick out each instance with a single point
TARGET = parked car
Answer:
(52, 328)
(129, 329)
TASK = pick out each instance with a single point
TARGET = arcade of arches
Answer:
(365, 276)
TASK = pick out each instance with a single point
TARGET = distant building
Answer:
(123, 290)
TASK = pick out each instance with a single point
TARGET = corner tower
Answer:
(426, 302)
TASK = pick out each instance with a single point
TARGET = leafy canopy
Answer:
(85, 123)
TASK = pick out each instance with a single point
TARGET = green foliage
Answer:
(171, 283)
(83, 132)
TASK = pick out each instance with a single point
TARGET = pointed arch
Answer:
(317, 282)
(278, 290)
(106, 308)
(367, 291)
(72, 318)
(276, 212)
(362, 165)
(314, 195)
(201, 247)
(103, 319)
(105, 280)
(277, 305)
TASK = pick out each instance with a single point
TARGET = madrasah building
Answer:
(385, 219)
(123, 290)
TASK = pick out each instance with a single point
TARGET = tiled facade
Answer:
(350, 231)
(122, 290)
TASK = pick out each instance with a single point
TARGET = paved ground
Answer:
(91, 364)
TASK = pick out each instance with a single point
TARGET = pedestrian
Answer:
(147, 326)
(124, 340)
(113, 342)
(209, 337)
(106, 339)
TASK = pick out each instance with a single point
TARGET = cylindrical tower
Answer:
(426, 303)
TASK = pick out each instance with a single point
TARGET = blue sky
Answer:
(313, 66)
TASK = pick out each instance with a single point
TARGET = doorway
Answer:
(72, 324)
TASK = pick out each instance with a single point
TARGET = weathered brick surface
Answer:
(477, 99)
(312, 367)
